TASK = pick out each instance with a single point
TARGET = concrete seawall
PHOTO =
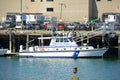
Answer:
(44, 32)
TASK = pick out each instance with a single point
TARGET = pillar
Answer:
(88, 39)
(10, 41)
(27, 41)
(119, 46)
(42, 42)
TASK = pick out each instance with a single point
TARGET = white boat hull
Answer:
(65, 54)
(3, 51)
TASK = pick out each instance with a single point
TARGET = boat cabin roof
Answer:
(56, 37)
(60, 41)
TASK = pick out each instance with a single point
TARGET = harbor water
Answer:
(14, 68)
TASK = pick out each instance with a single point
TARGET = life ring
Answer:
(41, 48)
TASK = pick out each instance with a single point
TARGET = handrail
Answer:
(90, 34)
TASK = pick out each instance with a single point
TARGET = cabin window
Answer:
(65, 40)
(57, 40)
(61, 39)
(71, 39)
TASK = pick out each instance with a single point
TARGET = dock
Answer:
(22, 35)
(44, 32)
(11, 54)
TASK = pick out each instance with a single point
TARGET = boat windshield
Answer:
(71, 40)
(62, 40)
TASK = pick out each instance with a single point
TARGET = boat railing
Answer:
(84, 36)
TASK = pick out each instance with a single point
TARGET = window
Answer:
(50, 9)
(57, 40)
(98, 0)
(32, 0)
(71, 40)
(109, 0)
(65, 40)
(50, 0)
(61, 39)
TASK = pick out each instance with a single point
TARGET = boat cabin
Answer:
(59, 43)
(62, 41)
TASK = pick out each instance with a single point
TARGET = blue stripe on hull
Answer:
(75, 54)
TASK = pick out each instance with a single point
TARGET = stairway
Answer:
(87, 34)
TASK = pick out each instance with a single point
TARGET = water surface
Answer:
(12, 68)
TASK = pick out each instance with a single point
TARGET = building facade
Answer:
(65, 10)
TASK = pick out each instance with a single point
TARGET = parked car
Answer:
(28, 26)
(117, 26)
(60, 26)
(1, 26)
(70, 26)
(82, 27)
(48, 26)
(8, 24)
(37, 26)
(77, 24)
(18, 26)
